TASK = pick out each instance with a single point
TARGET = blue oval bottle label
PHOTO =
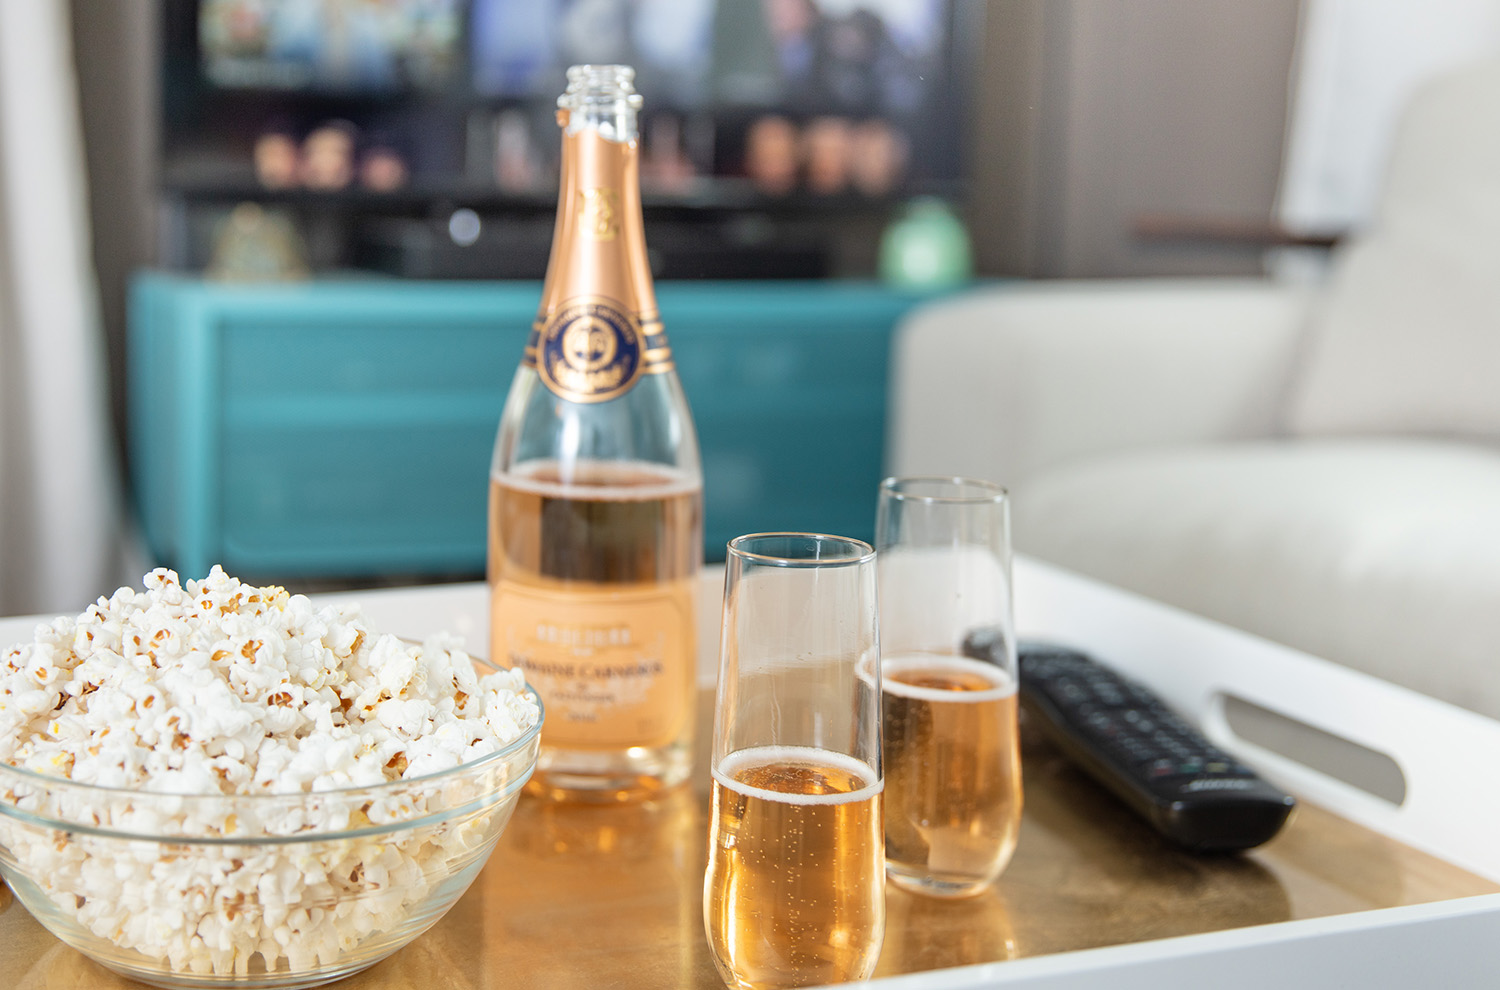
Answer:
(590, 350)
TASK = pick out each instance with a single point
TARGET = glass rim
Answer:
(986, 493)
(862, 552)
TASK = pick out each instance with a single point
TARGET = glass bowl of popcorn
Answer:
(212, 784)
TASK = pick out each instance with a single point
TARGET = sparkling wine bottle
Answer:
(596, 508)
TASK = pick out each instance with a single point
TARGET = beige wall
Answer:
(1094, 111)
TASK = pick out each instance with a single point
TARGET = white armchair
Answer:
(1013, 380)
(1319, 468)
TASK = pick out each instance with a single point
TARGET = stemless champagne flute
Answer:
(794, 894)
(953, 794)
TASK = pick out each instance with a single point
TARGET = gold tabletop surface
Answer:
(595, 896)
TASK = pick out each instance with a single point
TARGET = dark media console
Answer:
(509, 249)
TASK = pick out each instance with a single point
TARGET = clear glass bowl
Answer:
(264, 890)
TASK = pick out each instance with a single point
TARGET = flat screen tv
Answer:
(757, 99)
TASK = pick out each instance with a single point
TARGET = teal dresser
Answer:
(343, 428)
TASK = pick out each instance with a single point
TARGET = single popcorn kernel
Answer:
(179, 704)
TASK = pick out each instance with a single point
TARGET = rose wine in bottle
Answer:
(596, 507)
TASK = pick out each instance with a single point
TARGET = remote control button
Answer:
(1171, 723)
(1103, 725)
(1072, 691)
(1132, 752)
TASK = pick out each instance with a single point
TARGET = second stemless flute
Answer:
(953, 787)
(794, 892)
(596, 530)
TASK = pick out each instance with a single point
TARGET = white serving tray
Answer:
(1447, 759)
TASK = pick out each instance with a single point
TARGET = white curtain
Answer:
(1357, 63)
(59, 497)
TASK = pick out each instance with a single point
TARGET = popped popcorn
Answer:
(207, 712)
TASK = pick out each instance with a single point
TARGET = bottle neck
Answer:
(613, 120)
(602, 98)
(599, 244)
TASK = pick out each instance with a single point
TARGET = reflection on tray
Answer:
(1094, 874)
(926, 933)
(589, 895)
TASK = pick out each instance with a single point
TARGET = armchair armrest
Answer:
(1003, 382)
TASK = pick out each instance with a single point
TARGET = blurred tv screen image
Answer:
(333, 45)
(849, 100)
(809, 56)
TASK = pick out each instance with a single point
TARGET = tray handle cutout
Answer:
(1369, 770)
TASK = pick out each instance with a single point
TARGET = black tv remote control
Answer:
(1189, 790)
